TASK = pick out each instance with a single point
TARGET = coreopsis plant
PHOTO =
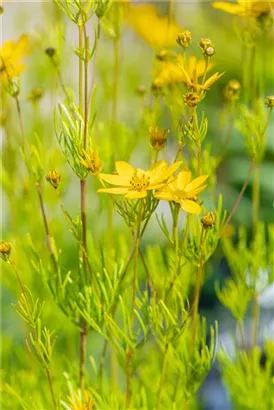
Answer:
(119, 211)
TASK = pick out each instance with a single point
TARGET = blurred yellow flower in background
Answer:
(170, 72)
(184, 192)
(155, 30)
(245, 8)
(134, 183)
(81, 401)
(12, 54)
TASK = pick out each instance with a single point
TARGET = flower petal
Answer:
(196, 183)
(113, 190)
(164, 195)
(124, 169)
(136, 194)
(231, 8)
(190, 206)
(115, 179)
(182, 179)
(195, 191)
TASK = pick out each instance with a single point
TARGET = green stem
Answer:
(242, 333)
(46, 226)
(162, 378)
(197, 138)
(115, 79)
(83, 343)
(255, 325)
(80, 89)
(255, 197)
(128, 376)
(206, 68)
(197, 289)
(49, 376)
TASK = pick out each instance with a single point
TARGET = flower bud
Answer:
(157, 86)
(208, 220)
(91, 161)
(5, 249)
(184, 39)
(36, 95)
(270, 101)
(50, 51)
(209, 51)
(232, 90)
(54, 178)
(205, 43)
(141, 90)
(158, 138)
(191, 99)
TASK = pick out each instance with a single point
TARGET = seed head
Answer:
(91, 161)
(5, 249)
(184, 39)
(158, 138)
(54, 178)
(208, 220)
(270, 101)
(191, 99)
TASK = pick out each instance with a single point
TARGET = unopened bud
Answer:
(232, 90)
(141, 90)
(5, 249)
(158, 138)
(270, 101)
(209, 51)
(184, 39)
(54, 178)
(36, 95)
(208, 220)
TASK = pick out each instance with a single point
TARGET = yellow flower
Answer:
(245, 8)
(91, 161)
(12, 54)
(171, 73)
(157, 31)
(134, 183)
(184, 192)
(191, 78)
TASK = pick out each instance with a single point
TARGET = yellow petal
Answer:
(136, 194)
(113, 190)
(196, 183)
(190, 206)
(182, 179)
(124, 169)
(164, 195)
(114, 179)
(228, 7)
(195, 192)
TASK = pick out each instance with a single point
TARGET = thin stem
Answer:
(177, 153)
(135, 278)
(49, 376)
(115, 79)
(128, 376)
(83, 343)
(197, 289)
(255, 197)
(161, 384)
(18, 278)
(46, 226)
(252, 164)
(18, 108)
(255, 325)
(197, 138)
(206, 68)
(80, 90)
(242, 333)
(83, 219)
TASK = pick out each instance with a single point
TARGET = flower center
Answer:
(139, 182)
